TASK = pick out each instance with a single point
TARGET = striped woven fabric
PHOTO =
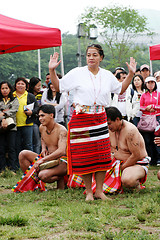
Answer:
(29, 180)
(75, 181)
(88, 144)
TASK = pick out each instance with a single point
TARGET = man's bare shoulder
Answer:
(130, 127)
(132, 133)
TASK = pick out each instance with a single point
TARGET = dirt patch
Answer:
(5, 191)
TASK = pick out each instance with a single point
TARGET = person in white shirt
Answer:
(88, 138)
(58, 100)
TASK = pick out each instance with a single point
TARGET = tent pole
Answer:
(39, 64)
(61, 57)
(151, 69)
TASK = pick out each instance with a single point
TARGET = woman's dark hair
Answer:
(50, 94)
(98, 47)
(32, 83)
(47, 108)
(21, 79)
(142, 86)
(10, 95)
(113, 113)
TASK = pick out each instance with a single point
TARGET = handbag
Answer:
(11, 124)
(147, 123)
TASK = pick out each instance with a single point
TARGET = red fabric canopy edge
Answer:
(154, 52)
(17, 36)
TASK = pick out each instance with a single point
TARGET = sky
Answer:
(62, 14)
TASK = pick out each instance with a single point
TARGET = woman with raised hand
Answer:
(88, 148)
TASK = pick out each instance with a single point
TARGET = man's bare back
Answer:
(126, 142)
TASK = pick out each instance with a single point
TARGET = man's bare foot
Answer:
(89, 197)
(101, 196)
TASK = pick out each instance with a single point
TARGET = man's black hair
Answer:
(113, 113)
(47, 108)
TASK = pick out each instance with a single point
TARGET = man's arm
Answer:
(133, 143)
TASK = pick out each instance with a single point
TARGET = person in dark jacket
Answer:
(28, 108)
(8, 108)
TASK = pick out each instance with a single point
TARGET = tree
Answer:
(118, 27)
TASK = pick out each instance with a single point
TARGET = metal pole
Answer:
(62, 64)
(79, 53)
(39, 64)
(151, 69)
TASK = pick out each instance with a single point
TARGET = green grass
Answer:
(58, 214)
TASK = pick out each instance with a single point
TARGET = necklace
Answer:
(117, 137)
(96, 95)
(49, 132)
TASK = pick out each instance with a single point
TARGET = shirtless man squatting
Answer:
(54, 143)
(127, 145)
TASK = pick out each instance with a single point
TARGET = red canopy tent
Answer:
(17, 36)
(154, 52)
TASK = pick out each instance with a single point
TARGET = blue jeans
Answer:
(136, 120)
(36, 139)
(24, 139)
(8, 144)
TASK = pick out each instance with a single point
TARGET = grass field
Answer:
(58, 214)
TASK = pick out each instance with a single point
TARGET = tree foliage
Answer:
(118, 26)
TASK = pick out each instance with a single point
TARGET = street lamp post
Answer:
(81, 33)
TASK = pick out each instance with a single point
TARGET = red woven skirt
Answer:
(88, 143)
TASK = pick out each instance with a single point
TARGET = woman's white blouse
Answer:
(88, 88)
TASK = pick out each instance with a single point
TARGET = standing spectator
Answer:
(88, 139)
(45, 85)
(133, 99)
(150, 105)
(144, 71)
(25, 115)
(35, 89)
(58, 100)
(8, 108)
(157, 76)
(119, 101)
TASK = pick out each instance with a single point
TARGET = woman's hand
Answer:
(149, 108)
(4, 123)
(54, 63)
(132, 65)
(157, 141)
(28, 112)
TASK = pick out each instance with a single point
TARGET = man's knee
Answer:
(22, 156)
(128, 180)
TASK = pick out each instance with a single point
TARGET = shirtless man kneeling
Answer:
(127, 145)
(54, 142)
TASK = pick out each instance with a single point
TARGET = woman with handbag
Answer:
(133, 99)
(150, 107)
(8, 108)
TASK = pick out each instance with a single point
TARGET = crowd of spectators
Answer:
(22, 101)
